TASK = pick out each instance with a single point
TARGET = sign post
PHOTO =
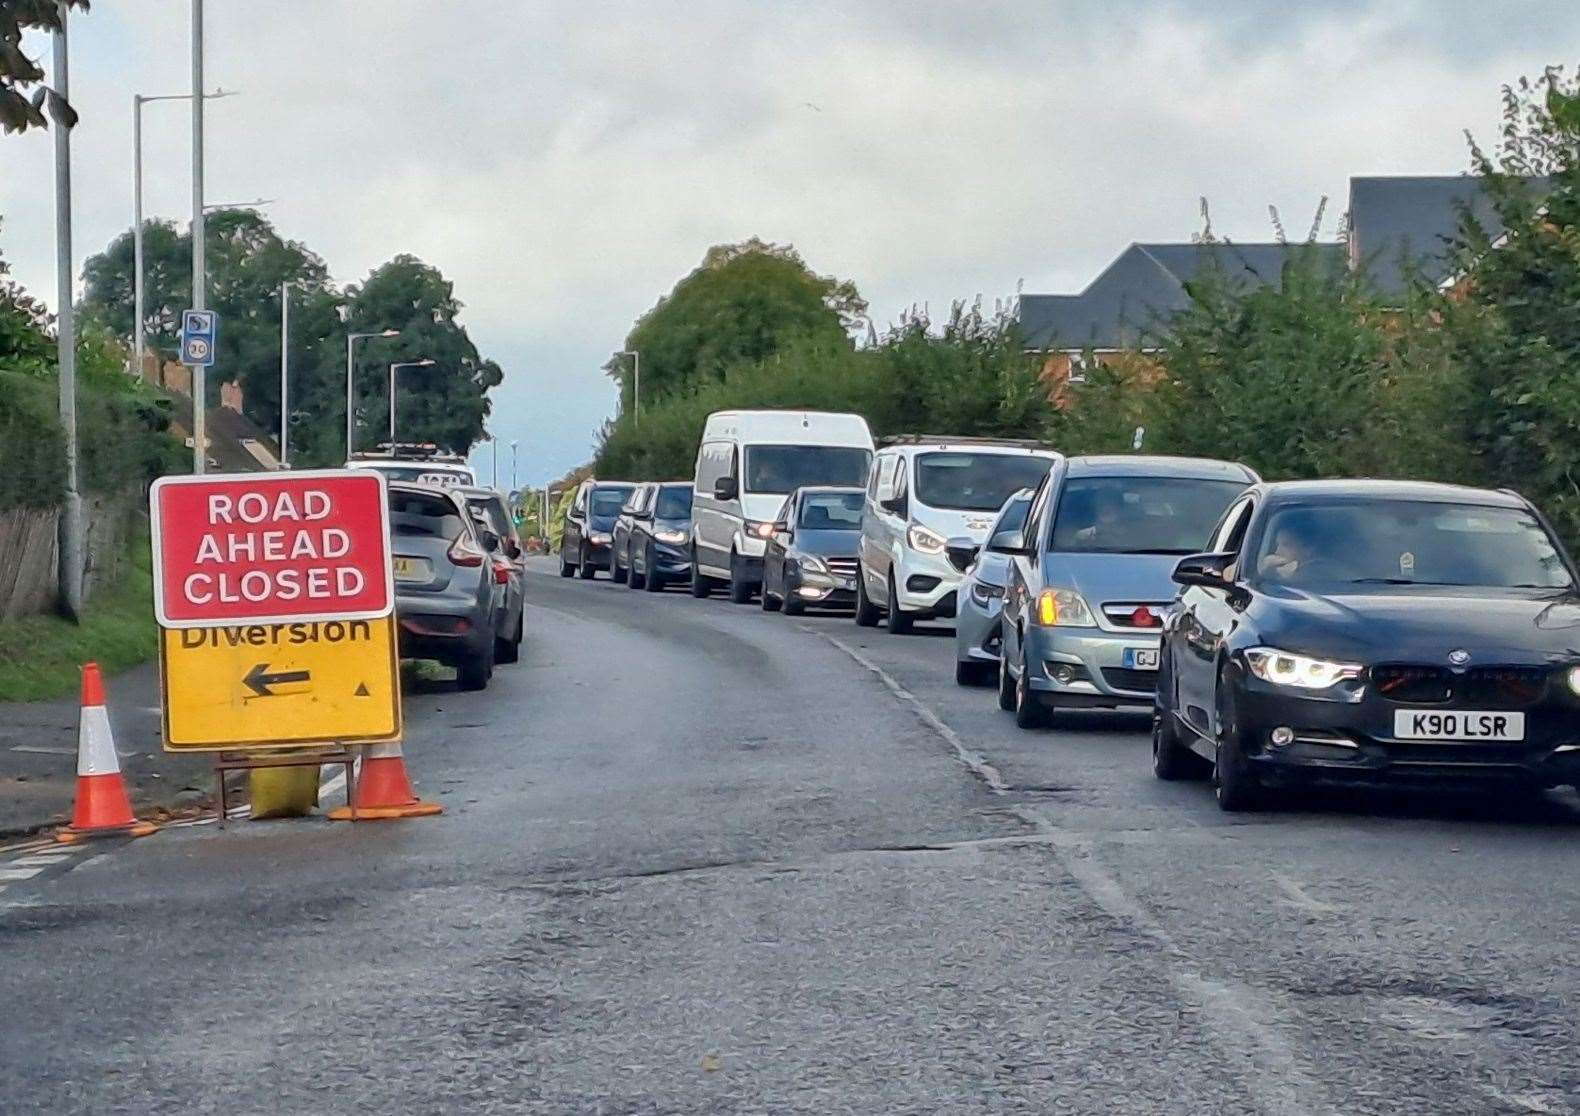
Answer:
(275, 595)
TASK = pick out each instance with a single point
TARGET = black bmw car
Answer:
(1373, 631)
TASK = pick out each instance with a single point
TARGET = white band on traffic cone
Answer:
(95, 745)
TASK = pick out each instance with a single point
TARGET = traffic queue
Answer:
(1281, 635)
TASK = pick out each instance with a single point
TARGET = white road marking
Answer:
(43, 750)
(39, 859)
(1298, 897)
(967, 755)
(1273, 1071)
(16, 875)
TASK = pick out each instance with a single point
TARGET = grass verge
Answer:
(41, 657)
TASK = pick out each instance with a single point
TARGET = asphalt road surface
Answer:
(699, 859)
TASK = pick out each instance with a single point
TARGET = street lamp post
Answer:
(512, 464)
(495, 482)
(199, 273)
(351, 408)
(69, 556)
(424, 363)
(636, 388)
(285, 374)
(139, 344)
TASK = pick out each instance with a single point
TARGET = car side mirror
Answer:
(894, 505)
(491, 542)
(1010, 541)
(726, 488)
(1209, 570)
(513, 548)
(961, 551)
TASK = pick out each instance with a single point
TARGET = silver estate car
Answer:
(977, 636)
(1091, 577)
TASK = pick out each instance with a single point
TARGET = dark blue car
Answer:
(1372, 631)
(589, 527)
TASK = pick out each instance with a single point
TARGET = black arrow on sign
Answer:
(258, 679)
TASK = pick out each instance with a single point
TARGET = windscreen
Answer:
(424, 516)
(1409, 542)
(831, 511)
(605, 503)
(975, 481)
(783, 469)
(1140, 515)
(492, 514)
(673, 503)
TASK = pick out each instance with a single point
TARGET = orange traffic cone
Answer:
(383, 789)
(102, 809)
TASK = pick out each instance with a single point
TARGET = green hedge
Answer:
(121, 434)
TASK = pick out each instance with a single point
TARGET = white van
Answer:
(923, 492)
(749, 461)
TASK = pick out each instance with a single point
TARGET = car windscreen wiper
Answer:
(1158, 550)
(1408, 581)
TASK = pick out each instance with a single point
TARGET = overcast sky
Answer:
(565, 163)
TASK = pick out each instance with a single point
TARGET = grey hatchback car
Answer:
(1091, 577)
(447, 595)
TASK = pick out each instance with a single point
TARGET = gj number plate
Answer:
(1140, 658)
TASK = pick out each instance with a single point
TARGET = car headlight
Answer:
(923, 540)
(1283, 668)
(813, 563)
(758, 530)
(984, 594)
(1574, 679)
(673, 538)
(598, 538)
(1063, 608)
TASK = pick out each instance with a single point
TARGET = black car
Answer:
(620, 536)
(589, 527)
(660, 544)
(810, 558)
(1372, 631)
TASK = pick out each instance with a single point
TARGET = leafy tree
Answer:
(1510, 323)
(446, 404)
(1289, 378)
(167, 285)
(25, 344)
(19, 112)
(743, 303)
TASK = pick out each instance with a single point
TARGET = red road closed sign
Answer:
(271, 548)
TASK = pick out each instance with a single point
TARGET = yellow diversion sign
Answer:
(267, 685)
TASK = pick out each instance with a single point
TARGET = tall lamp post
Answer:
(424, 363)
(139, 341)
(351, 408)
(636, 388)
(512, 464)
(69, 555)
(199, 245)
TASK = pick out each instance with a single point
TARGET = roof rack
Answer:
(950, 440)
(409, 451)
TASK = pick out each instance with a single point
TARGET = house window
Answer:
(1080, 365)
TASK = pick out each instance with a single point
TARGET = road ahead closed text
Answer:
(273, 549)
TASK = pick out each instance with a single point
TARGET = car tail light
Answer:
(501, 572)
(463, 552)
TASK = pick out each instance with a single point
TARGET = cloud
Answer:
(566, 163)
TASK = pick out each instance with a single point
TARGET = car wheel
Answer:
(566, 569)
(634, 579)
(793, 607)
(509, 650)
(475, 671)
(1234, 783)
(701, 584)
(1006, 685)
(652, 580)
(617, 572)
(969, 672)
(1171, 759)
(1031, 708)
(899, 622)
(866, 611)
(770, 602)
(740, 588)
